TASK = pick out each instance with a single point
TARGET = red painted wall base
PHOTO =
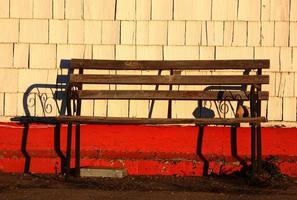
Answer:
(143, 150)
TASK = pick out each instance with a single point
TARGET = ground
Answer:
(36, 186)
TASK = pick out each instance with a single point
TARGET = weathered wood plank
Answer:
(121, 120)
(166, 95)
(169, 65)
(170, 79)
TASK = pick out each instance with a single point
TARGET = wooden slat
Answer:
(120, 120)
(167, 65)
(170, 80)
(165, 95)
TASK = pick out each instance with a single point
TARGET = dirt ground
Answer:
(20, 186)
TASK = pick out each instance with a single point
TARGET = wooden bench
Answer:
(249, 82)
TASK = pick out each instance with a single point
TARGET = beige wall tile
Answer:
(93, 31)
(254, 34)
(228, 33)
(157, 32)
(295, 88)
(42, 9)
(224, 10)
(204, 33)
(125, 9)
(100, 108)
(73, 9)
(118, 108)
(234, 53)
(125, 52)
(271, 53)
(70, 51)
(207, 53)
(265, 10)
(21, 56)
(104, 52)
(58, 9)
(110, 32)
(281, 34)
(9, 80)
(215, 34)
(149, 52)
(58, 31)
(280, 10)
(34, 31)
(181, 52)
(21, 9)
(183, 109)
(160, 109)
(6, 55)
(192, 10)
(294, 59)
(293, 34)
(143, 9)
(99, 9)
(29, 77)
(271, 87)
(176, 32)
(286, 59)
(1, 104)
(293, 10)
(162, 10)
(138, 108)
(142, 32)
(128, 32)
(75, 31)
(4, 8)
(87, 108)
(240, 34)
(249, 10)
(9, 30)
(10, 107)
(43, 56)
(285, 84)
(289, 109)
(267, 36)
(193, 32)
(275, 109)
(88, 52)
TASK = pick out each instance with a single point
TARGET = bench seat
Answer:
(126, 120)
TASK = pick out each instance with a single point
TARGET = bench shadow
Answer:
(203, 111)
(35, 96)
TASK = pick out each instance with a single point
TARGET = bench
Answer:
(248, 85)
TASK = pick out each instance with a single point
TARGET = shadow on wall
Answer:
(38, 96)
(47, 96)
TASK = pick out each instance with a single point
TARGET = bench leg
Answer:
(77, 150)
(199, 150)
(68, 150)
(253, 148)
(259, 149)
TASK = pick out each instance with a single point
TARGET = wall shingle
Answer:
(9, 30)
(192, 9)
(34, 31)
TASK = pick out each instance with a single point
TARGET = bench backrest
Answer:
(174, 77)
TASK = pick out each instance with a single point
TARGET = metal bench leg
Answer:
(68, 150)
(259, 149)
(77, 150)
(253, 148)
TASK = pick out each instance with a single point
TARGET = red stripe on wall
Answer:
(143, 150)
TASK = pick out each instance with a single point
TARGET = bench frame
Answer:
(254, 96)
